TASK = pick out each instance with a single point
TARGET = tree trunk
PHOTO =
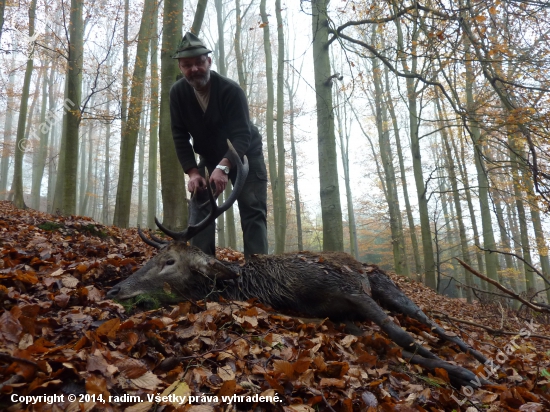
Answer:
(461, 162)
(20, 143)
(238, 49)
(124, 98)
(141, 165)
(89, 174)
(524, 235)
(534, 209)
(107, 173)
(154, 125)
(174, 200)
(53, 146)
(449, 243)
(65, 193)
(392, 199)
(2, 8)
(199, 17)
(456, 198)
(93, 213)
(271, 153)
(516, 237)
(229, 237)
(410, 218)
(343, 134)
(414, 124)
(482, 178)
(291, 93)
(39, 156)
(129, 142)
(82, 164)
(333, 236)
(7, 147)
(506, 245)
(281, 178)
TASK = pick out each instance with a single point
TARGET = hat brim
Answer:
(199, 51)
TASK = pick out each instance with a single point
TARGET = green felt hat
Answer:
(190, 46)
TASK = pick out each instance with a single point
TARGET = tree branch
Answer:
(504, 289)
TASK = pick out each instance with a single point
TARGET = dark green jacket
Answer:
(226, 117)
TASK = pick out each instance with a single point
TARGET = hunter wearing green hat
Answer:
(209, 109)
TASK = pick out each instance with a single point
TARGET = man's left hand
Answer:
(219, 180)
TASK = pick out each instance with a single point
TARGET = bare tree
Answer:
(328, 169)
(20, 145)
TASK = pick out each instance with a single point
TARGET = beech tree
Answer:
(20, 145)
(131, 128)
(328, 169)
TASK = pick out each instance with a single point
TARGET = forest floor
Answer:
(61, 339)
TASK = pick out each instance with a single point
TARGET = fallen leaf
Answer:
(131, 368)
(226, 373)
(109, 328)
(148, 381)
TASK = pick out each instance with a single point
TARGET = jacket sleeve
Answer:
(238, 121)
(181, 135)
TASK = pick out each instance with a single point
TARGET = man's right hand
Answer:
(196, 181)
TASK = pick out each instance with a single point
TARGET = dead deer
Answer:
(328, 285)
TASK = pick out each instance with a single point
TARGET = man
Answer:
(210, 109)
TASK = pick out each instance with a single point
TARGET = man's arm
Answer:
(237, 125)
(184, 150)
(180, 134)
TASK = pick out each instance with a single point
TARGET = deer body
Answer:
(332, 285)
(326, 285)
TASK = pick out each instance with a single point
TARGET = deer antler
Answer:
(215, 211)
(150, 242)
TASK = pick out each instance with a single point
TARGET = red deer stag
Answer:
(327, 285)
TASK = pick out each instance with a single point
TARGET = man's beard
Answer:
(198, 82)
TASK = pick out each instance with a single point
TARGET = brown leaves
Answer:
(10, 328)
(109, 328)
(57, 333)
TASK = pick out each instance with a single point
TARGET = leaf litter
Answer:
(60, 336)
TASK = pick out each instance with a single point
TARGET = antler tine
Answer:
(157, 239)
(215, 211)
(169, 232)
(192, 230)
(242, 173)
(147, 240)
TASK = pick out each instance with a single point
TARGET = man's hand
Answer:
(196, 181)
(219, 180)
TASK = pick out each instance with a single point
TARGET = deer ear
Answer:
(222, 272)
(213, 269)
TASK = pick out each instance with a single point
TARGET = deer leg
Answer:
(368, 309)
(385, 291)
(413, 351)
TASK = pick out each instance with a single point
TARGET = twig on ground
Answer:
(504, 289)
(442, 315)
(320, 393)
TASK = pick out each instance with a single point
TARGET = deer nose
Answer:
(113, 292)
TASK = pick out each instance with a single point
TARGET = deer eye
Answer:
(170, 262)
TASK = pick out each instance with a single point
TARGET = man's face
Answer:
(196, 70)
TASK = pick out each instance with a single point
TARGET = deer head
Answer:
(180, 266)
